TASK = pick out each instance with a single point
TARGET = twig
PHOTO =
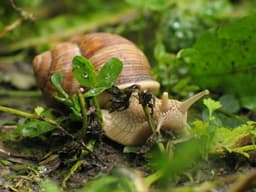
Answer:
(8, 126)
(149, 180)
(11, 26)
(244, 182)
(5, 153)
(103, 19)
(15, 157)
(19, 93)
(35, 116)
(71, 172)
(24, 16)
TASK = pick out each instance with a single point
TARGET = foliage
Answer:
(152, 5)
(120, 180)
(238, 140)
(182, 25)
(190, 44)
(224, 59)
(49, 186)
(85, 74)
(43, 121)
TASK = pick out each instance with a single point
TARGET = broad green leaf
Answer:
(56, 80)
(224, 58)
(249, 102)
(109, 73)
(83, 71)
(34, 128)
(229, 103)
(94, 91)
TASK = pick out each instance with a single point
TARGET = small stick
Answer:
(24, 16)
(8, 126)
(35, 116)
(71, 172)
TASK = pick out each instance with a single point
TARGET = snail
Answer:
(128, 127)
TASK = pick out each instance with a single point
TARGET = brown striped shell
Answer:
(98, 48)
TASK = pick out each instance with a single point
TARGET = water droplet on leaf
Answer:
(85, 75)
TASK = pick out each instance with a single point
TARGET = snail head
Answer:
(173, 113)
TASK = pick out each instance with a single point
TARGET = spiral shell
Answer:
(98, 48)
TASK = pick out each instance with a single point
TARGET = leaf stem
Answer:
(35, 116)
(84, 113)
(149, 180)
(98, 109)
(71, 172)
(19, 113)
(149, 118)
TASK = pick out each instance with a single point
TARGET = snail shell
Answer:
(98, 48)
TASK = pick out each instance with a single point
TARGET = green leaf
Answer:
(224, 58)
(76, 103)
(249, 102)
(34, 128)
(56, 80)
(95, 91)
(49, 186)
(109, 73)
(154, 5)
(39, 110)
(84, 72)
(102, 184)
(65, 100)
(76, 107)
(211, 105)
(172, 164)
(131, 149)
(233, 139)
(229, 103)
(120, 180)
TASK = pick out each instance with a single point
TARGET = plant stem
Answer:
(19, 113)
(149, 118)
(71, 172)
(98, 109)
(101, 19)
(84, 113)
(11, 27)
(149, 180)
(19, 93)
(35, 116)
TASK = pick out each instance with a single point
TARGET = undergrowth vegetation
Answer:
(191, 45)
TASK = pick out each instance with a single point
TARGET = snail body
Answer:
(127, 127)
(130, 127)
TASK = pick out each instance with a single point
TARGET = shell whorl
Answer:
(98, 48)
